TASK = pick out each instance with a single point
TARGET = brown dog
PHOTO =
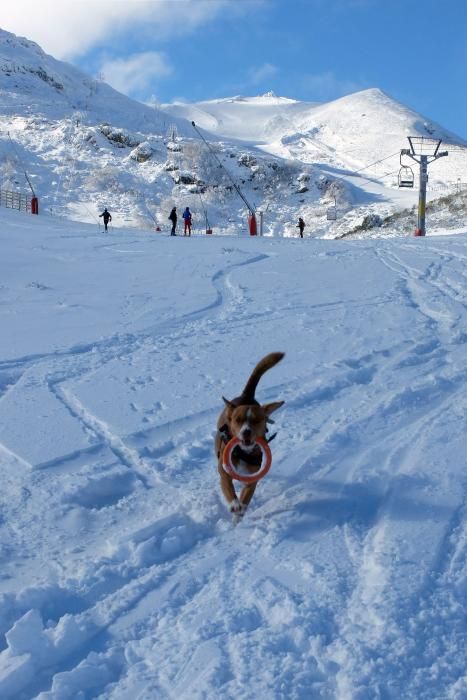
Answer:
(247, 420)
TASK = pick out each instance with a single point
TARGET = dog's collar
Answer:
(224, 432)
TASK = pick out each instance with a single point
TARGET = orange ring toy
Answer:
(247, 478)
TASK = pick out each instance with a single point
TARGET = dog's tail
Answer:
(248, 393)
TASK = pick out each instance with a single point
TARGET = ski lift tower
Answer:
(173, 147)
(252, 226)
(423, 150)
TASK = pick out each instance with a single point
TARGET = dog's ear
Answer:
(228, 403)
(269, 408)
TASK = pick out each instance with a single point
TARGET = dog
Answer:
(244, 418)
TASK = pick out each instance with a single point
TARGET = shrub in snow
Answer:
(10, 68)
(371, 221)
(120, 137)
(186, 178)
(142, 153)
(323, 183)
(43, 75)
(246, 159)
(90, 138)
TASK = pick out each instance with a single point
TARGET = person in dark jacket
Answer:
(187, 219)
(173, 219)
(300, 226)
(106, 216)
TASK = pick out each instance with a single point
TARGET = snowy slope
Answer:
(121, 574)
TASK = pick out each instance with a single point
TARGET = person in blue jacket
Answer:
(187, 219)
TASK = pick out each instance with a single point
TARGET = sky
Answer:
(309, 50)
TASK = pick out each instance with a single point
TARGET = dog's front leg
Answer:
(246, 495)
(228, 490)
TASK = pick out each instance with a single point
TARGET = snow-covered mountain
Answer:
(85, 146)
(255, 119)
(34, 84)
(343, 135)
(369, 117)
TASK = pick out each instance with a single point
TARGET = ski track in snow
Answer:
(353, 553)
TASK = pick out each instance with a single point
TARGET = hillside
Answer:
(336, 142)
(34, 84)
(122, 575)
(85, 146)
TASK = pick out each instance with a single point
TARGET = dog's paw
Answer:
(235, 506)
(237, 516)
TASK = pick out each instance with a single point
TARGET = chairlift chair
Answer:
(406, 177)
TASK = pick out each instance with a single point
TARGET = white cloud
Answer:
(69, 28)
(134, 74)
(258, 75)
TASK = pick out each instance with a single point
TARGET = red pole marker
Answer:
(247, 478)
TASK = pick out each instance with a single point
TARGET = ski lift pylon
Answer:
(331, 212)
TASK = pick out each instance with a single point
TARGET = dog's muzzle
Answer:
(247, 439)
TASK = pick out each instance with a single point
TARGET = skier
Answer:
(107, 217)
(187, 219)
(173, 219)
(300, 226)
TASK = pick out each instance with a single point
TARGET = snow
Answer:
(122, 575)
(245, 118)
(121, 572)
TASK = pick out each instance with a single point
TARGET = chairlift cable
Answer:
(68, 140)
(381, 160)
(21, 165)
(214, 154)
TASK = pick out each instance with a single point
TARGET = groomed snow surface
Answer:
(121, 574)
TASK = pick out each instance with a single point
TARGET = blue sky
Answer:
(311, 50)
